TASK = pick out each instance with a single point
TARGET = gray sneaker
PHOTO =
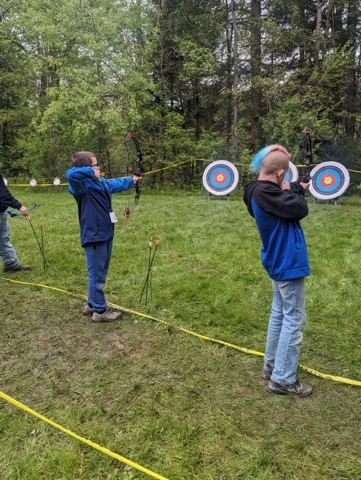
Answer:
(107, 316)
(18, 268)
(297, 389)
(88, 310)
(266, 374)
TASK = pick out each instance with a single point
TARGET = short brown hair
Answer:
(82, 159)
(277, 158)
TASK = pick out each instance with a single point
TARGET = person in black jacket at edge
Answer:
(93, 194)
(278, 207)
(8, 255)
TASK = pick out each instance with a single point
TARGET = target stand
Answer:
(220, 178)
(329, 180)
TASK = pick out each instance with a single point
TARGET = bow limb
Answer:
(138, 171)
(306, 146)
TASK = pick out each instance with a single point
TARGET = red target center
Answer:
(220, 178)
(328, 180)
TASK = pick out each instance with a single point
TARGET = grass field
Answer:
(182, 407)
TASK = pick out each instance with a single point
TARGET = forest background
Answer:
(193, 80)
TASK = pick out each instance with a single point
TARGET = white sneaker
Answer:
(107, 316)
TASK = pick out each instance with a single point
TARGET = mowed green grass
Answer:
(180, 406)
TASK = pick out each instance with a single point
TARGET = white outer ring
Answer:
(223, 163)
(293, 172)
(341, 191)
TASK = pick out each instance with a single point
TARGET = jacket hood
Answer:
(248, 190)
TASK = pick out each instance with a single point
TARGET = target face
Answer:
(292, 174)
(329, 180)
(220, 177)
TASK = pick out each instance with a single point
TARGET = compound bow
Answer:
(306, 145)
(138, 171)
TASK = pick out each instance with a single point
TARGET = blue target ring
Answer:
(220, 177)
(329, 180)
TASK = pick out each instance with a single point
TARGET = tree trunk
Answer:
(256, 96)
(349, 120)
(235, 85)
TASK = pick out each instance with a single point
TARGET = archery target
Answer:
(220, 177)
(329, 180)
(292, 174)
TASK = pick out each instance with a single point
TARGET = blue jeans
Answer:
(285, 330)
(97, 262)
(7, 251)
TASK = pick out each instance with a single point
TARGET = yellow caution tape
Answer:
(192, 160)
(202, 337)
(37, 185)
(82, 439)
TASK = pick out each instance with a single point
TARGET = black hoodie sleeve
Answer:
(6, 199)
(287, 204)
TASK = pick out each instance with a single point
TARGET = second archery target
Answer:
(220, 177)
(292, 174)
(329, 180)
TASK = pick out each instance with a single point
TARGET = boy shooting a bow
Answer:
(92, 193)
(278, 207)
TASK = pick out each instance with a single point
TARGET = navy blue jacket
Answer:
(278, 213)
(94, 202)
(6, 199)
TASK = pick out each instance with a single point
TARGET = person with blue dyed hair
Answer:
(278, 207)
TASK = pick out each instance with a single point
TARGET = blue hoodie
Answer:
(278, 213)
(93, 197)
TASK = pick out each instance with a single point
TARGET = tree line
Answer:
(205, 79)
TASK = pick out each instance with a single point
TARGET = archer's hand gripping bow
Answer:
(138, 171)
(19, 214)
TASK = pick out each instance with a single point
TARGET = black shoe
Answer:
(297, 389)
(266, 374)
(18, 268)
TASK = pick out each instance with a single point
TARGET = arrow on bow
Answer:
(138, 171)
